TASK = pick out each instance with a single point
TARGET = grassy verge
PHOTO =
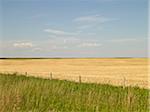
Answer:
(29, 94)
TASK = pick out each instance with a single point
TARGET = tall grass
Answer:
(29, 94)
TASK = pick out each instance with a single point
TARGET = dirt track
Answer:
(127, 71)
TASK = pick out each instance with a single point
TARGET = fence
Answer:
(119, 81)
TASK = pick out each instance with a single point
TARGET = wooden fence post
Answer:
(79, 79)
(124, 82)
(26, 73)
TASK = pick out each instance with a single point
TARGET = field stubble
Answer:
(126, 71)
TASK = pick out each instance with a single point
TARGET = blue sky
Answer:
(74, 28)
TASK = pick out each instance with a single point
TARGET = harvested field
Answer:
(116, 71)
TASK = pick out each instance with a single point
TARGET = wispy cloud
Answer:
(89, 45)
(56, 44)
(58, 32)
(92, 18)
(23, 45)
(90, 21)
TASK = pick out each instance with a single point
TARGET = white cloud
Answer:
(85, 22)
(58, 32)
(23, 45)
(92, 18)
(90, 45)
(68, 44)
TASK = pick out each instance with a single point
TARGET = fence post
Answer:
(51, 77)
(26, 73)
(79, 79)
(124, 82)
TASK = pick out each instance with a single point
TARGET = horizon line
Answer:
(63, 57)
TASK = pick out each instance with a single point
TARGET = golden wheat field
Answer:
(116, 71)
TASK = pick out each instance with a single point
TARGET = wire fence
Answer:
(82, 78)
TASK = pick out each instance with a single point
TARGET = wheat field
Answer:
(115, 71)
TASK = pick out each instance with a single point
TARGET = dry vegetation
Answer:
(116, 71)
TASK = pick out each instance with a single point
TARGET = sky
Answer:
(73, 28)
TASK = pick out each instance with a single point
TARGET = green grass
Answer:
(29, 94)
